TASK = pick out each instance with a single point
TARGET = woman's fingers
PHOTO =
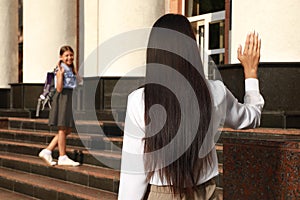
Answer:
(249, 58)
(255, 41)
(258, 46)
(247, 42)
(239, 52)
(251, 43)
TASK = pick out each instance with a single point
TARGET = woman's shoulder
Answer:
(136, 98)
(135, 106)
(217, 91)
(216, 84)
(136, 94)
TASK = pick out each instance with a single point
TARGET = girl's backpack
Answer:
(47, 95)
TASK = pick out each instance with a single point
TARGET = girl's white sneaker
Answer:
(47, 157)
(67, 161)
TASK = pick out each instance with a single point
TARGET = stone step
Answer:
(88, 141)
(107, 114)
(91, 176)
(10, 195)
(103, 115)
(110, 159)
(43, 187)
(83, 126)
(102, 158)
(29, 139)
(87, 175)
(15, 113)
(113, 143)
(109, 128)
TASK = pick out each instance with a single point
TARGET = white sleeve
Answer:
(248, 114)
(133, 184)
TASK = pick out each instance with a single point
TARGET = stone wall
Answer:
(279, 85)
(261, 164)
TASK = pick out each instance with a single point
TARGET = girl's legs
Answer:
(63, 158)
(46, 154)
(54, 141)
(60, 141)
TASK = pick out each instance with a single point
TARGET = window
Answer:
(216, 41)
(199, 7)
(208, 20)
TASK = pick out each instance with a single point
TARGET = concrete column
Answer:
(48, 25)
(174, 6)
(116, 17)
(9, 42)
(89, 16)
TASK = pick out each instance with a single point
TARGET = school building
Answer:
(31, 40)
(109, 38)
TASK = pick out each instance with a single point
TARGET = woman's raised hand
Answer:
(249, 58)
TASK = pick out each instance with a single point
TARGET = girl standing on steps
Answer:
(61, 114)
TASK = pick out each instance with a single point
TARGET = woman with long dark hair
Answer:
(171, 122)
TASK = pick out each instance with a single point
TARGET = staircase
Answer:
(23, 175)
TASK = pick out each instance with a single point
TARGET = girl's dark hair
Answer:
(65, 48)
(183, 173)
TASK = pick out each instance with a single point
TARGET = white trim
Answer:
(167, 6)
(216, 16)
(215, 51)
(183, 7)
(205, 20)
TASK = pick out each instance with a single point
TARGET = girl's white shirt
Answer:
(69, 77)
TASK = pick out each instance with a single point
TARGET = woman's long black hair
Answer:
(182, 57)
